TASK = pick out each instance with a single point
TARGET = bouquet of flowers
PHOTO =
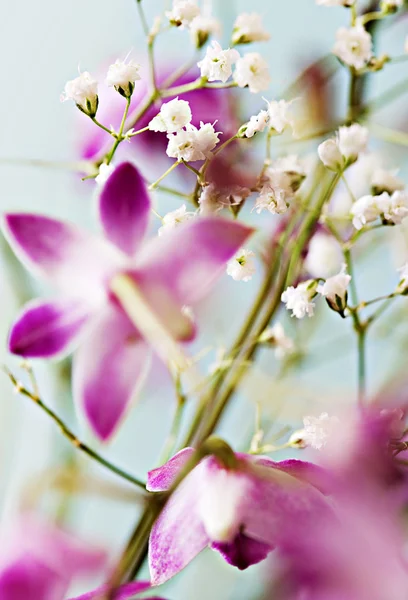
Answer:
(141, 300)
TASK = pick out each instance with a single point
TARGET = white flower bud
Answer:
(105, 171)
(83, 90)
(242, 266)
(202, 28)
(324, 256)
(352, 140)
(299, 299)
(330, 155)
(256, 124)
(276, 336)
(252, 71)
(122, 76)
(334, 290)
(175, 218)
(217, 63)
(193, 144)
(386, 181)
(183, 12)
(280, 116)
(353, 46)
(173, 116)
(390, 6)
(249, 28)
(318, 430)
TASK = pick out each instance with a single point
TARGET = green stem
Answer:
(361, 349)
(150, 46)
(119, 136)
(168, 450)
(71, 437)
(169, 170)
(350, 270)
(389, 135)
(102, 126)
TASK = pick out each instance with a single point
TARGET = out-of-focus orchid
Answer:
(39, 562)
(240, 511)
(129, 590)
(162, 276)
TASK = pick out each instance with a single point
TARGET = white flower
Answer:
(276, 336)
(249, 28)
(217, 63)
(242, 266)
(183, 12)
(275, 194)
(318, 430)
(330, 155)
(280, 116)
(299, 299)
(352, 140)
(122, 76)
(252, 70)
(83, 90)
(366, 209)
(213, 199)
(292, 166)
(201, 28)
(353, 46)
(386, 181)
(334, 290)
(257, 123)
(324, 256)
(173, 116)
(193, 144)
(397, 209)
(105, 171)
(175, 218)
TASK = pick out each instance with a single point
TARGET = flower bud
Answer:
(122, 76)
(334, 290)
(330, 155)
(389, 7)
(83, 90)
(249, 28)
(202, 28)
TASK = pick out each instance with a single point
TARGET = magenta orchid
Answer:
(39, 562)
(239, 512)
(129, 590)
(169, 272)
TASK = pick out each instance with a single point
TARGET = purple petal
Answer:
(162, 478)
(47, 329)
(189, 260)
(71, 259)
(178, 535)
(124, 208)
(243, 551)
(26, 578)
(125, 591)
(109, 367)
(306, 471)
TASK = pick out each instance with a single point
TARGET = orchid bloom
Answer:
(129, 590)
(240, 512)
(166, 273)
(38, 561)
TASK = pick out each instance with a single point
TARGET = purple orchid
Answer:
(129, 590)
(239, 512)
(168, 272)
(39, 562)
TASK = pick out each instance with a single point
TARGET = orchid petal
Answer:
(47, 329)
(125, 591)
(178, 534)
(109, 368)
(74, 261)
(243, 551)
(124, 208)
(306, 471)
(162, 478)
(189, 259)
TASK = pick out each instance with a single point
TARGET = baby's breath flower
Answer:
(173, 116)
(386, 181)
(122, 76)
(183, 12)
(83, 90)
(280, 116)
(368, 208)
(276, 336)
(105, 171)
(353, 46)
(175, 218)
(324, 256)
(352, 140)
(318, 430)
(252, 71)
(256, 124)
(242, 266)
(217, 63)
(249, 28)
(334, 290)
(193, 144)
(202, 28)
(330, 155)
(299, 299)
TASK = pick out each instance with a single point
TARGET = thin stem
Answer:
(389, 96)
(192, 169)
(371, 16)
(119, 136)
(169, 170)
(176, 423)
(183, 89)
(94, 119)
(138, 132)
(71, 437)
(389, 135)
(150, 45)
(361, 349)
(350, 270)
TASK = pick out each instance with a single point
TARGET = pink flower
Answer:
(239, 512)
(129, 590)
(169, 272)
(39, 562)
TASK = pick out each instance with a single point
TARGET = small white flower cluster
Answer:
(392, 209)
(248, 28)
(83, 90)
(353, 46)
(242, 266)
(186, 142)
(277, 117)
(281, 181)
(251, 70)
(276, 337)
(299, 299)
(317, 431)
(386, 181)
(172, 219)
(324, 256)
(214, 199)
(186, 15)
(340, 152)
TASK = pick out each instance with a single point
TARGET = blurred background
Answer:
(43, 44)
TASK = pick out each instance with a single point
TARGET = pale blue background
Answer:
(42, 44)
